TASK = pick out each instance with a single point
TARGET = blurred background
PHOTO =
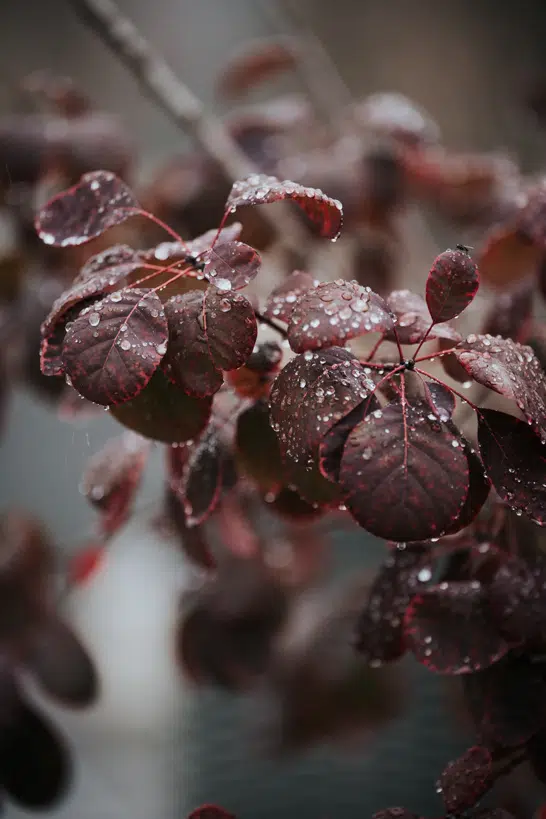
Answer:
(156, 747)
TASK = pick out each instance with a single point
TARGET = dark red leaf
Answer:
(515, 460)
(99, 201)
(208, 332)
(112, 477)
(259, 61)
(450, 629)
(114, 262)
(193, 540)
(332, 445)
(452, 283)
(465, 780)
(325, 213)
(200, 483)
(478, 490)
(507, 701)
(35, 767)
(516, 600)
(510, 369)
(257, 448)
(405, 476)
(312, 393)
(441, 400)
(334, 312)
(231, 265)
(507, 257)
(61, 664)
(380, 636)
(282, 299)
(449, 362)
(413, 319)
(189, 249)
(164, 412)
(210, 812)
(531, 220)
(114, 346)
(511, 313)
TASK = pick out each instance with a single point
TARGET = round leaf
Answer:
(465, 780)
(452, 283)
(231, 265)
(413, 319)
(282, 299)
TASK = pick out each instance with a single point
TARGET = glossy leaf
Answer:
(114, 262)
(404, 475)
(326, 214)
(515, 460)
(200, 483)
(465, 780)
(114, 346)
(99, 201)
(257, 448)
(452, 283)
(61, 664)
(510, 369)
(231, 265)
(450, 630)
(164, 412)
(478, 490)
(441, 400)
(112, 477)
(413, 319)
(282, 299)
(333, 443)
(192, 249)
(333, 313)
(208, 332)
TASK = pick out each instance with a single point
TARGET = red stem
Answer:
(455, 392)
(375, 348)
(423, 340)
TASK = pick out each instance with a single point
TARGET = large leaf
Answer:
(99, 201)
(452, 283)
(405, 475)
(114, 346)
(450, 629)
(231, 265)
(515, 460)
(334, 312)
(325, 213)
(208, 332)
(282, 299)
(200, 481)
(465, 780)
(164, 412)
(510, 369)
(413, 319)
(112, 477)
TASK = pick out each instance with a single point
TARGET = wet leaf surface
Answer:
(231, 265)
(452, 283)
(282, 299)
(466, 779)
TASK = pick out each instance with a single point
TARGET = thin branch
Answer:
(271, 323)
(178, 102)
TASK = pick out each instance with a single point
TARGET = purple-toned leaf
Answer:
(510, 369)
(413, 319)
(478, 489)
(114, 262)
(193, 540)
(380, 636)
(507, 701)
(257, 448)
(465, 780)
(511, 313)
(164, 412)
(282, 299)
(450, 629)
(405, 476)
(452, 283)
(515, 460)
(61, 664)
(191, 249)
(312, 393)
(208, 332)
(334, 312)
(210, 812)
(325, 213)
(99, 201)
(231, 265)
(35, 768)
(441, 400)
(333, 443)
(114, 346)
(112, 477)
(200, 483)
(516, 600)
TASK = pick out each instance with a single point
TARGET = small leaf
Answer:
(452, 283)
(201, 481)
(259, 61)
(333, 313)
(164, 412)
(282, 299)
(413, 319)
(191, 249)
(116, 261)
(99, 201)
(450, 630)
(257, 448)
(465, 780)
(231, 265)
(510, 369)
(208, 332)
(405, 476)
(325, 213)
(441, 400)
(61, 664)
(112, 477)
(515, 460)
(114, 346)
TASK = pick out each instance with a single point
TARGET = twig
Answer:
(179, 103)
(271, 323)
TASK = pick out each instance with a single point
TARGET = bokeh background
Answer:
(469, 62)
